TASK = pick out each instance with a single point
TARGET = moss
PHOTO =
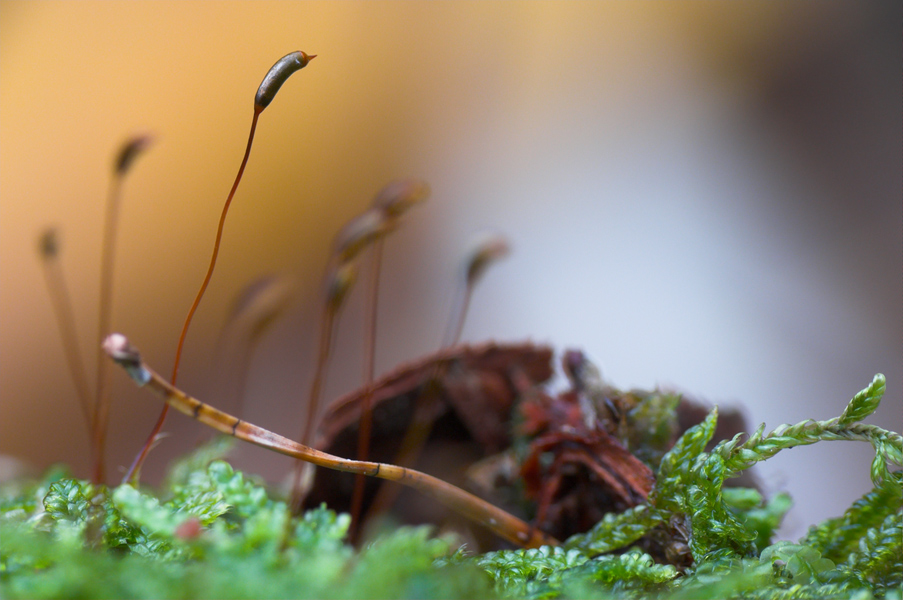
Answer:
(213, 532)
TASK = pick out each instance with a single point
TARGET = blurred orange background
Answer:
(703, 196)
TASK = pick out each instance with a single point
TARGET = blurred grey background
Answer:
(702, 196)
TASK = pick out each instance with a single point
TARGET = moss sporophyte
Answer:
(590, 492)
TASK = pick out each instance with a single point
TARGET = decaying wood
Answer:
(477, 382)
(576, 470)
(474, 389)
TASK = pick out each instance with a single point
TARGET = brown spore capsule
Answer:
(490, 248)
(49, 244)
(400, 195)
(129, 151)
(277, 75)
(358, 234)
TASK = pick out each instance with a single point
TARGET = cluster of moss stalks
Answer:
(212, 532)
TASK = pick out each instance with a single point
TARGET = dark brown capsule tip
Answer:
(130, 151)
(277, 75)
(49, 244)
(488, 248)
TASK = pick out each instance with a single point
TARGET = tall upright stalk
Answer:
(275, 77)
(485, 250)
(393, 201)
(65, 319)
(101, 412)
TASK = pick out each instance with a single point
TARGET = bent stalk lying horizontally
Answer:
(476, 509)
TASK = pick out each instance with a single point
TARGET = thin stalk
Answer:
(253, 311)
(244, 367)
(102, 382)
(135, 468)
(313, 401)
(415, 437)
(392, 201)
(272, 82)
(330, 315)
(486, 250)
(457, 316)
(339, 281)
(65, 319)
(101, 411)
(366, 425)
(355, 237)
(476, 509)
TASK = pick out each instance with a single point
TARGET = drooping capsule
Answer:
(488, 248)
(400, 195)
(358, 234)
(260, 302)
(277, 75)
(48, 244)
(129, 151)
